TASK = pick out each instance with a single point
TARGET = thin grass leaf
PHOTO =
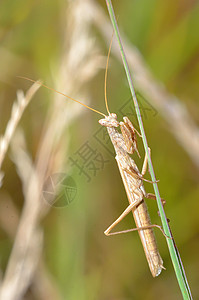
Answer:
(175, 257)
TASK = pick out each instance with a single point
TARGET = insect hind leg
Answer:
(121, 217)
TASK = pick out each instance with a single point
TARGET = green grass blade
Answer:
(175, 256)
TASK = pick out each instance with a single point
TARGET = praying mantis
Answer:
(125, 143)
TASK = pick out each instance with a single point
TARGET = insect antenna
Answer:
(106, 73)
(49, 88)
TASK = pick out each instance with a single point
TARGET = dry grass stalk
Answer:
(17, 111)
(51, 153)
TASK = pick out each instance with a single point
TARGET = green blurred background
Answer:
(80, 262)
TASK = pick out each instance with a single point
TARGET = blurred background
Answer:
(52, 244)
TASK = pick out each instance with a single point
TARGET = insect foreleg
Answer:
(130, 125)
(129, 137)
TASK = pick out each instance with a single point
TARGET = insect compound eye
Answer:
(103, 122)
